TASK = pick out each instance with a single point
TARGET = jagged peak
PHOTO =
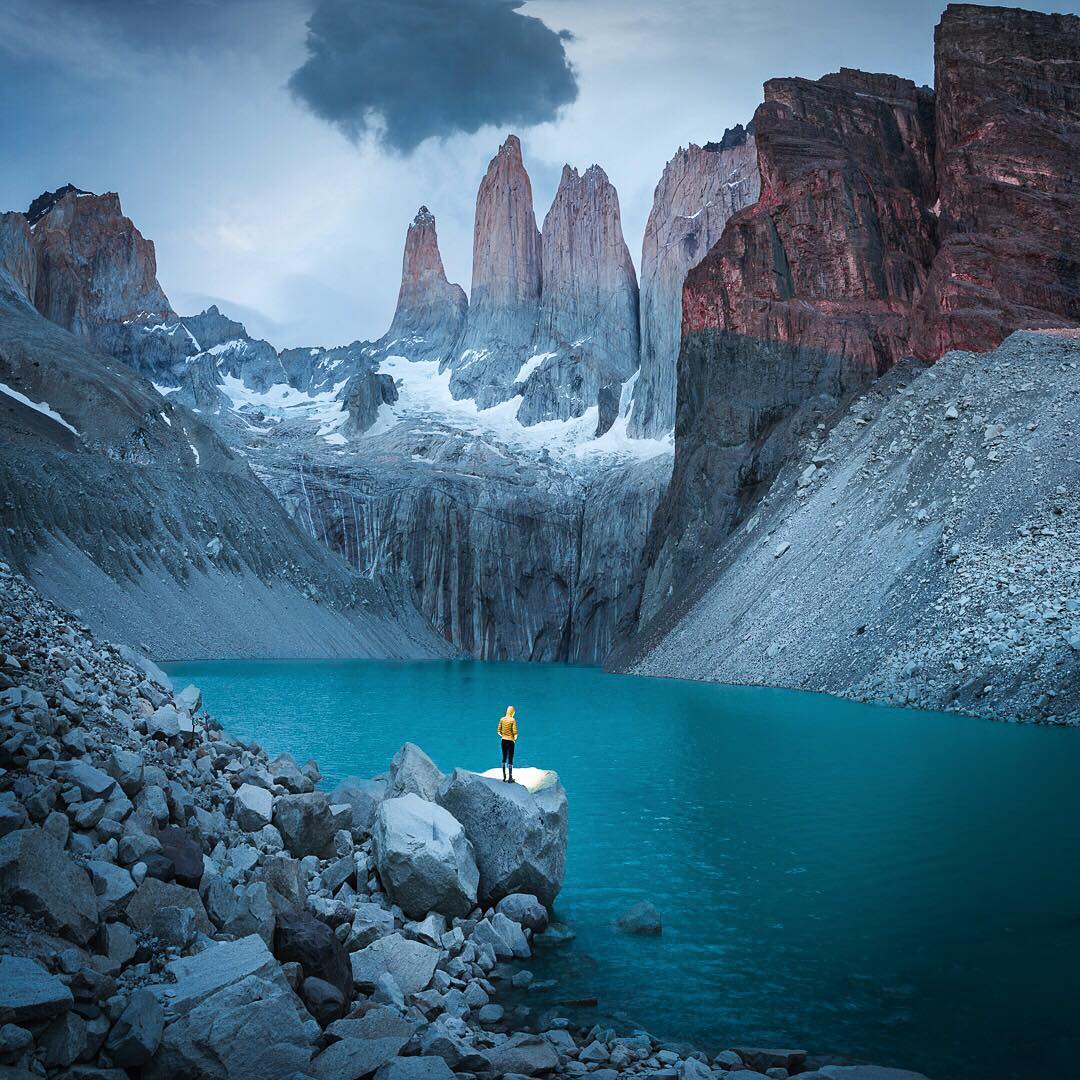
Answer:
(424, 217)
(511, 147)
(48, 199)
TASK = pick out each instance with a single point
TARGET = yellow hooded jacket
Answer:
(508, 725)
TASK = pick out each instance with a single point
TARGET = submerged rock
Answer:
(642, 919)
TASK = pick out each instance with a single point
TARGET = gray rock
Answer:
(642, 919)
(300, 937)
(112, 885)
(253, 1029)
(490, 1014)
(201, 976)
(370, 923)
(91, 782)
(63, 1041)
(137, 1033)
(762, 1058)
(415, 1068)
(518, 836)
(378, 1023)
(363, 796)
(306, 824)
(152, 895)
(14, 1040)
(28, 993)
(325, 1002)
(412, 772)
(174, 927)
(254, 807)
(126, 768)
(529, 1055)
(37, 875)
(411, 963)
(524, 909)
(424, 860)
(135, 847)
(351, 1059)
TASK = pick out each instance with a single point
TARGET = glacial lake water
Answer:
(897, 886)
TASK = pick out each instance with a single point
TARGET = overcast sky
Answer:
(276, 150)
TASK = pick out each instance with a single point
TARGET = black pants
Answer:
(508, 753)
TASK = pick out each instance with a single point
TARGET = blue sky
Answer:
(277, 173)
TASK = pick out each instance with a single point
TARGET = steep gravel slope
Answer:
(925, 551)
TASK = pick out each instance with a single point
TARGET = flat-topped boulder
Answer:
(518, 831)
(28, 993)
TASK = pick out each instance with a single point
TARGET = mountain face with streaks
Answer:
(700, 190)
(586, 341)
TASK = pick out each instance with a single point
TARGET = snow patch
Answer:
(165, 418)
(42, 407)
(335, 439)
(532, 364)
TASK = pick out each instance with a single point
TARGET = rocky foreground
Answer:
(175, 904)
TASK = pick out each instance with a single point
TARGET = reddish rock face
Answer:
(94, 268)
(1008, 166)
(840, 242)
(506, 280)
(430, 310)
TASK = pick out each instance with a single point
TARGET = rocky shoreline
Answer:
(176, 904)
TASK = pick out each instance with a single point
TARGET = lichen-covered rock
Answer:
(424, 860)
(518, 835)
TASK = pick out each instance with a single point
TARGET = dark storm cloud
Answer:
(410, 69)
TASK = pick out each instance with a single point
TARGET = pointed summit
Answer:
(506, 280)
(588, 324)
(430, 310)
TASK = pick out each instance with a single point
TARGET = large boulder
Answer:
(253, 1029)
(518, 833)
(412, 772)
(411, 964)
(523, 1054)
(184, 853)
(153, 895)
(306, 824)
(29, 994)
(423, 858)
(363, 796)
(254, 807)
(137, 1034)
(39, 876)
(301, 938)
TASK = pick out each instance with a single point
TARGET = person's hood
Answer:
(510, 712)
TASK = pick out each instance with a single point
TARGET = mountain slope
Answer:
(130, 509)
(925, 552)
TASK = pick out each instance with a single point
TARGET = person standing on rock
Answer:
(508, 734)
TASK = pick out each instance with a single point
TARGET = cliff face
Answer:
(701, 188)
(430, 310)
(889, 224)
(1008, 143)
(18, 259)
(587, 331)
(95, 270)
(506, 282)
(805, 298)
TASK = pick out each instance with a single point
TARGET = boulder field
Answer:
(175, 903)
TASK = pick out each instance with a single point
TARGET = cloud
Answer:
(405, 70)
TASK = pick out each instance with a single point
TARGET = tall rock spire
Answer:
(587, 332)
(701, 188)
(430, 310)
(506, 282)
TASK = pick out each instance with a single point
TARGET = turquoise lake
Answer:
(896, 886)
